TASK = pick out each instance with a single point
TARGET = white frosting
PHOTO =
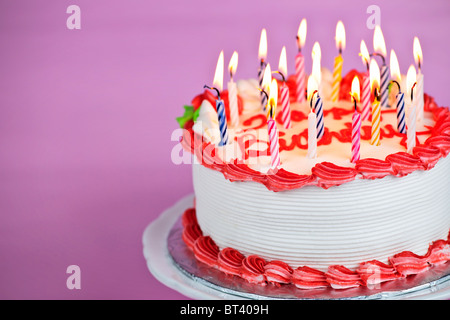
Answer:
(348, 224)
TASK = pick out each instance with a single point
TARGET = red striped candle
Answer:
(286, 108)
(274, 144)
(300, 77)
(356, 136)
(365, 97)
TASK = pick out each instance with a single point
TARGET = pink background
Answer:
(87, 115)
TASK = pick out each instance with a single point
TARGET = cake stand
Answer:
(173, 264)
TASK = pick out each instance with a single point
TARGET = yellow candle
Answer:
(376, 107)
(338, 62)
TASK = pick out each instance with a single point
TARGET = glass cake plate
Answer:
(174, 264)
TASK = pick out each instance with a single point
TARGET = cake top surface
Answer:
(246, 157)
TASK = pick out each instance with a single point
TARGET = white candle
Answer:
(420, 93)
(312, 135)
(412, 116)
(232, 91)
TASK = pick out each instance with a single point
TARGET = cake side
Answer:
(358, 221)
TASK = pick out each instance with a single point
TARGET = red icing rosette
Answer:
(253, 269)
(278, 272)
(339, 277)
(284, 180)
(375, 272)
(206, 251)
(371, 168)
(329, 174)
(441, 142)
(190, 234)
(429, 155)
(442, 125)
(438, 252)
(309, 278)
(189, 217)
(404, 163)
(230, 261)
(407, 263)
(237, 171)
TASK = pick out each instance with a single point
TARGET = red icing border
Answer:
(259, 271)
(326, 174)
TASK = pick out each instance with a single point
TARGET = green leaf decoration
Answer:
(188, 115)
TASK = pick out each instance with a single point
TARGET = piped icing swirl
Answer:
(257, 270)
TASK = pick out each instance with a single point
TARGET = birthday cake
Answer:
(327, 219)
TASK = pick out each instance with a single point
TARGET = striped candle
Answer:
(260, 80)
(318, 107)
(376, 122)
(365, 97)
(337, 77)
(401, 119)
(220, 107)
(356, 136)
(274, 144)
(384, 85)
(300, 77)
(285, 104)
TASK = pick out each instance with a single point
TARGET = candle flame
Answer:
(378, 41)
(218, 75)
(394, 67)
(262, 54)
(417, 50)
(316, 66)
(364, 53)
(267, 78)
(374, 75)
(282, 65)
(301, 34)
(312, 86)
(355, 89)
(340, 36)
(410, 79)
(273, 99)
(232, 66)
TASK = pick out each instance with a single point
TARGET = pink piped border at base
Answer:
(256, 270)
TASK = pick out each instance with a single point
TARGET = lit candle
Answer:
(410, 86)
(312, 129)
(265, 86)
(356, 122)
(376, 107)
(338, 62)
(418, 58)
(284, 91)
(220, 107)
(232, 91)
(316, 72)
(272, 126)
(300, 63)
(380, 50)
(262, 55)
(400, 97)
(317, 75)
(365, 95)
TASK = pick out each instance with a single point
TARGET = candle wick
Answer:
(213, 88)
(398, 85)
(377, 94)
(298, 44)
(282, 75)
(312, 96)
(265, 93)
(340, 50)
(379, 55)
(412, 91)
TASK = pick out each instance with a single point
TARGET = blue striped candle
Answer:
(318, 108)
(220, 107)
(260, 79)
(384, 86)
(401, 121)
